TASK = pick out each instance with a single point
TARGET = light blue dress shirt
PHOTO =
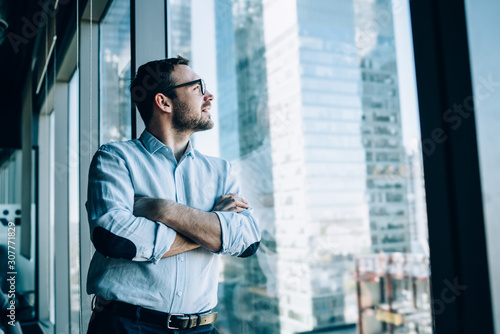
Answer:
(127, 265)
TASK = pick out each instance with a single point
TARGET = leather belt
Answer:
(170, 321)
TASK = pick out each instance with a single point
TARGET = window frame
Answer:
(457, 241)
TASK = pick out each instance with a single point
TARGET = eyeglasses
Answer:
(201, 82)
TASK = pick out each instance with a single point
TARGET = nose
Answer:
(208, 96)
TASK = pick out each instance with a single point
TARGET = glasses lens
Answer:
(203, 87)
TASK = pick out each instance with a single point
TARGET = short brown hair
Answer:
(152, 78)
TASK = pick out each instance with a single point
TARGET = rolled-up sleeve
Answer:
(240, 231)
(115, 231)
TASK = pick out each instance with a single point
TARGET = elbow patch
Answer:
(250, 250)
(112, 245)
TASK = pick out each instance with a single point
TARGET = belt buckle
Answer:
(168, 320)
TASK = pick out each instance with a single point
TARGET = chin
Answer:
(207, 126)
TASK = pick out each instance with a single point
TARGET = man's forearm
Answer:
(201, 227)
(181, 244)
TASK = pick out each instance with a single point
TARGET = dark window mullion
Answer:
(453, 191)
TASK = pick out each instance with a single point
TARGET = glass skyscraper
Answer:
(382, 132)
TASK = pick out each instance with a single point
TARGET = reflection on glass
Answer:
(310, 116)
(74, 203)
(115, 104)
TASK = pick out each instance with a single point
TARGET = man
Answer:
(160, 212)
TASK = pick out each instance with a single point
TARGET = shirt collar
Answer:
(189, 150)
(152, 144)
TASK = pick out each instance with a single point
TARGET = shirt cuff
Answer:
(165, 237)
(225, 218)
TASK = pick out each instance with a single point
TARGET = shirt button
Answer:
(182, 258)
(179, 293)
(181, 198)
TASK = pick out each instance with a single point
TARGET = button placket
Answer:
(179, 187)
(181, 269)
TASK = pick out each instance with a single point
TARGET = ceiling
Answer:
(17, 37)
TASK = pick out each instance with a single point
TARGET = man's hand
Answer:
(232, 203)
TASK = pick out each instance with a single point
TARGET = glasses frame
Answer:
(197, 81)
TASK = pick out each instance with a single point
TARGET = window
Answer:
(306, 104)
(115, 76)
(74, 202)
(17, 259)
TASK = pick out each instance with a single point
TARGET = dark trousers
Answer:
(106, 323)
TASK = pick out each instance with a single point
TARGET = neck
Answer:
(178, 141)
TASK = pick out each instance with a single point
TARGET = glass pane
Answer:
(484, 44)
(309, 98)
(179, 16)
(74, 202)
(115, 104)
(17, 269)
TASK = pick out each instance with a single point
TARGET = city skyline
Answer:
(290, 95)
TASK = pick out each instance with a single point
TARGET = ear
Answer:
(163, 102)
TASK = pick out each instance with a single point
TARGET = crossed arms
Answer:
(194, 227)
(149, 229)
